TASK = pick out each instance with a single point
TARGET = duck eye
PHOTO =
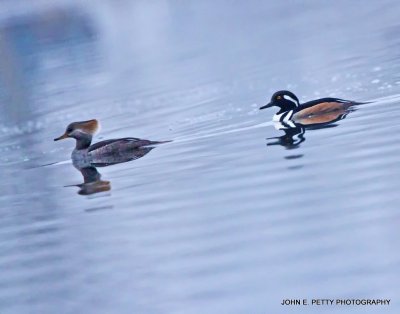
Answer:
(278, 97)
(69, 130)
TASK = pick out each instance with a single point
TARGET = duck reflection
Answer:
(92, 182)
(294, 131)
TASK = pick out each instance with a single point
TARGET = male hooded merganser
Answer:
(291, 109)
(105, 152)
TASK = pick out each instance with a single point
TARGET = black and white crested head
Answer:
(283, 99)
(286, 98)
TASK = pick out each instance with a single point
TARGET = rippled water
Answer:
(219, 220)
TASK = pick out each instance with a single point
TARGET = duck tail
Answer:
(357, 103)
(159, 142)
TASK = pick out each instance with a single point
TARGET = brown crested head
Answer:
(80, 129)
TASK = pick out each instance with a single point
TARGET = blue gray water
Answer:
(219, 220)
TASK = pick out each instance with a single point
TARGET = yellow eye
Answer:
(279, 97)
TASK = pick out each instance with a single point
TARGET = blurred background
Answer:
(224, 219)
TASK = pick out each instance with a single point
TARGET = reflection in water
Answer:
(295, 130)
(294, 135)
(92, 182)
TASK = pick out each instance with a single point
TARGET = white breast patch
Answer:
(283, 117)
(288, 116)
(277, 117)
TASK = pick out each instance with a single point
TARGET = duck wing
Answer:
(322, 106)
(123, 143)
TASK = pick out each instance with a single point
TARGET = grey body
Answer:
(106, 152)
(111, 152)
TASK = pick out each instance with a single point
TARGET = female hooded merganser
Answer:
(311, 112)
(105, 152)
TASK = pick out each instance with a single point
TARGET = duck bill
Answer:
(267, 106)
(65, 135)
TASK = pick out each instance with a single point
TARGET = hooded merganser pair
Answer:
(291, 113)
(317, 111)
(106, 152)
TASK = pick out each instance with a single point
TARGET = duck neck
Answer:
(83, 142)
(286, 106)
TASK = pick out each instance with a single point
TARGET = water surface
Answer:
(219, 220)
